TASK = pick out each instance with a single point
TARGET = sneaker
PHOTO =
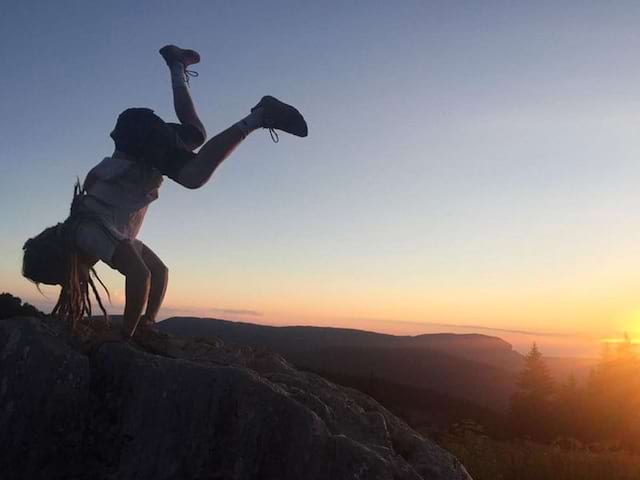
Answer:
(172, 54)
(278, 115)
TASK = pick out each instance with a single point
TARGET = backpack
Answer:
(46, 257)
(51, 258)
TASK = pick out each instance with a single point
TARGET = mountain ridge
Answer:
(462, 365)
(307, 336)
(468, 363)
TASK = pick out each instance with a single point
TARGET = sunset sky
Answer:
(471, 166)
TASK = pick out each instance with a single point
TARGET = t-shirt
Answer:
(126, 184)
(121, 191)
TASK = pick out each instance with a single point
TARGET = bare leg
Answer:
(269, 113)
(212, 154)
(178, 60)
(137, 283)
(186, 111)
(159, 281)
(199, 170)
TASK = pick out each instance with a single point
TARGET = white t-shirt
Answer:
(121, 191)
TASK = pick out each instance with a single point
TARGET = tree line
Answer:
(11, 306)
(602, 411)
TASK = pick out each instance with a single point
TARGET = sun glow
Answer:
(616, 341)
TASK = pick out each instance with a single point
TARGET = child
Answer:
(119, 189)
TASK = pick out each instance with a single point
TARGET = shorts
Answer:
(168, 151)
(105, 228)
(143, 134)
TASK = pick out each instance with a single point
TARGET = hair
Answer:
(133, 131)
(74, 301)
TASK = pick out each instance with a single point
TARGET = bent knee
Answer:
(159, 270)
(203, 133)
(190, 179)
(140, 273)
(196, 143)
(128, 261)
(197, 138)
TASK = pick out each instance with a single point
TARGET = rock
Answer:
(169, 408)
(44, 390)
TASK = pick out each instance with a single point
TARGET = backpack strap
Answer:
(78, 216)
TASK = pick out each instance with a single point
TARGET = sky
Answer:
(470, 166)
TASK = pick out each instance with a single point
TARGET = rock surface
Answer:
(170, 408)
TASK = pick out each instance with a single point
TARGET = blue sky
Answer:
(468, 162)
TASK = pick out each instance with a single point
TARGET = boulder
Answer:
(168, 408)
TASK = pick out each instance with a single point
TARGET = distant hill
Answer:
(475, 367)
(493, 351)
(478, 368)
(480, 383)
(479, 348)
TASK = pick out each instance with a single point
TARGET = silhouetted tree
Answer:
(11, 306)
(571, 410)
(535, 380)
(613, 393)
(531, 406)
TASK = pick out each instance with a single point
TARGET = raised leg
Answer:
(186, 112)
(199, 170)
(178, 60)
(269, 113)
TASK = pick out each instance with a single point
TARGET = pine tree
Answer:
(614, 396)
(531, 407)
(535, 381)
(571, 410)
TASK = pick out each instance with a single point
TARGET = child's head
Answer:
(134, 129)
(142, 134)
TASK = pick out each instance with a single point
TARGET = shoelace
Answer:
(272, 131)
(189, 73)
(192, 73)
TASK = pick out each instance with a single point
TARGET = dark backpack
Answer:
(51, 258)
(46, 257)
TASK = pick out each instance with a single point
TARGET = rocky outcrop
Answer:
(169, 408)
